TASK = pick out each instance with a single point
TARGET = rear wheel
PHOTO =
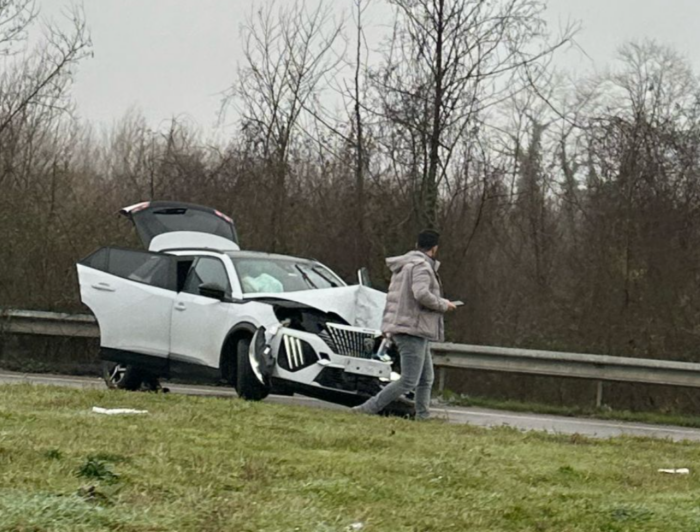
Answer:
(126, 377)
(247, 384)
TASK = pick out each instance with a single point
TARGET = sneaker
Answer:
(400, 408)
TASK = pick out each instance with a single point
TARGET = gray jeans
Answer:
(416, 374)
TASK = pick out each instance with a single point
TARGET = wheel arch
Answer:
(227, 360)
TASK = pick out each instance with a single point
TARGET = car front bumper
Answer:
(306, 359)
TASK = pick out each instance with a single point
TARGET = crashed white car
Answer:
(194, 306)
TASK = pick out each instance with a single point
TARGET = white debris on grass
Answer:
(356, 526)
(117, 411)
(680, 471)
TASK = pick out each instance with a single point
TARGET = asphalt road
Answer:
(473, 416)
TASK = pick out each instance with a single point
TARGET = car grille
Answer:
(350, 341)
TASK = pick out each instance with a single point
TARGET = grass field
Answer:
(200, 464)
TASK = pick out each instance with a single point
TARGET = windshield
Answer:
(265, 275)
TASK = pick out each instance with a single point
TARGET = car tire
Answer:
(122, 376)
(248, 386)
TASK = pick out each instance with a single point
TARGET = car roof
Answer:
(236, 254)
(261, 254)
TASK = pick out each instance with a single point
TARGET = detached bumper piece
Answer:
(339, 379)
(260, 354)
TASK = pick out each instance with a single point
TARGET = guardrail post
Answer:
(441, 379)
(599, 394)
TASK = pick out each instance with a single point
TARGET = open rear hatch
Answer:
(165, 225)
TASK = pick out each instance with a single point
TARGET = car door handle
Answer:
(106, 287)
(180, 306)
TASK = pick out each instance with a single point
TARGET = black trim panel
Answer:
(166, 367)
(324, 394)
(185, 367)
(338, 379)
(153, 364)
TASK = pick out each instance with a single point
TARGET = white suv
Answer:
(195, 306)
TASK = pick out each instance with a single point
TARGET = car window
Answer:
(154, 269)
(206, 270)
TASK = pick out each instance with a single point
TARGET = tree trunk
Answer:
(360, 245)
(430, 186)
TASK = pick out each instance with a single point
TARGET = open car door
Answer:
(165, 225)
(131, 294)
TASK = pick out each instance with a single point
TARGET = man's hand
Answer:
(451, 306)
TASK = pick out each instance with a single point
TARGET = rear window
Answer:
(153, 269)
(153, 222)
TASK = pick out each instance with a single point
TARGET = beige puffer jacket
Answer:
(414, 303)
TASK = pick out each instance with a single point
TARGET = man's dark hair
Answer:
(427, 239)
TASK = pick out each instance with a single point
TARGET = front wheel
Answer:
(247, 384)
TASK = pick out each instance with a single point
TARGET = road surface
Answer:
(473, 416)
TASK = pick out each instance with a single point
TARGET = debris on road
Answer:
(117, 411)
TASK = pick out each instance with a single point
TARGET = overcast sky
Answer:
(172, 58)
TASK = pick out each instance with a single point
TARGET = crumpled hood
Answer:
(360, 306)
(396, 264)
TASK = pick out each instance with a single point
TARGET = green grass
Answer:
(655, 418)
(206, 464)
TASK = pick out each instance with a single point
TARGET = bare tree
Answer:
(39, 81)
(448, 61)
(34, 140)
(288, 52)
(360, 161)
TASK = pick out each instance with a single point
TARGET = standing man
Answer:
(413, 317)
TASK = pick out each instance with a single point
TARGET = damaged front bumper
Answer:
(343, 359)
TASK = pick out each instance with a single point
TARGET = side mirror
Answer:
(363, 277)
(212, 290)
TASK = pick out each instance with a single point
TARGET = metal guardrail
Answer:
(48, 323)
(445, 355)
(555, 364)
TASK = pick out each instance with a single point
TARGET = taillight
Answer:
(139, 207)
(222, 215)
